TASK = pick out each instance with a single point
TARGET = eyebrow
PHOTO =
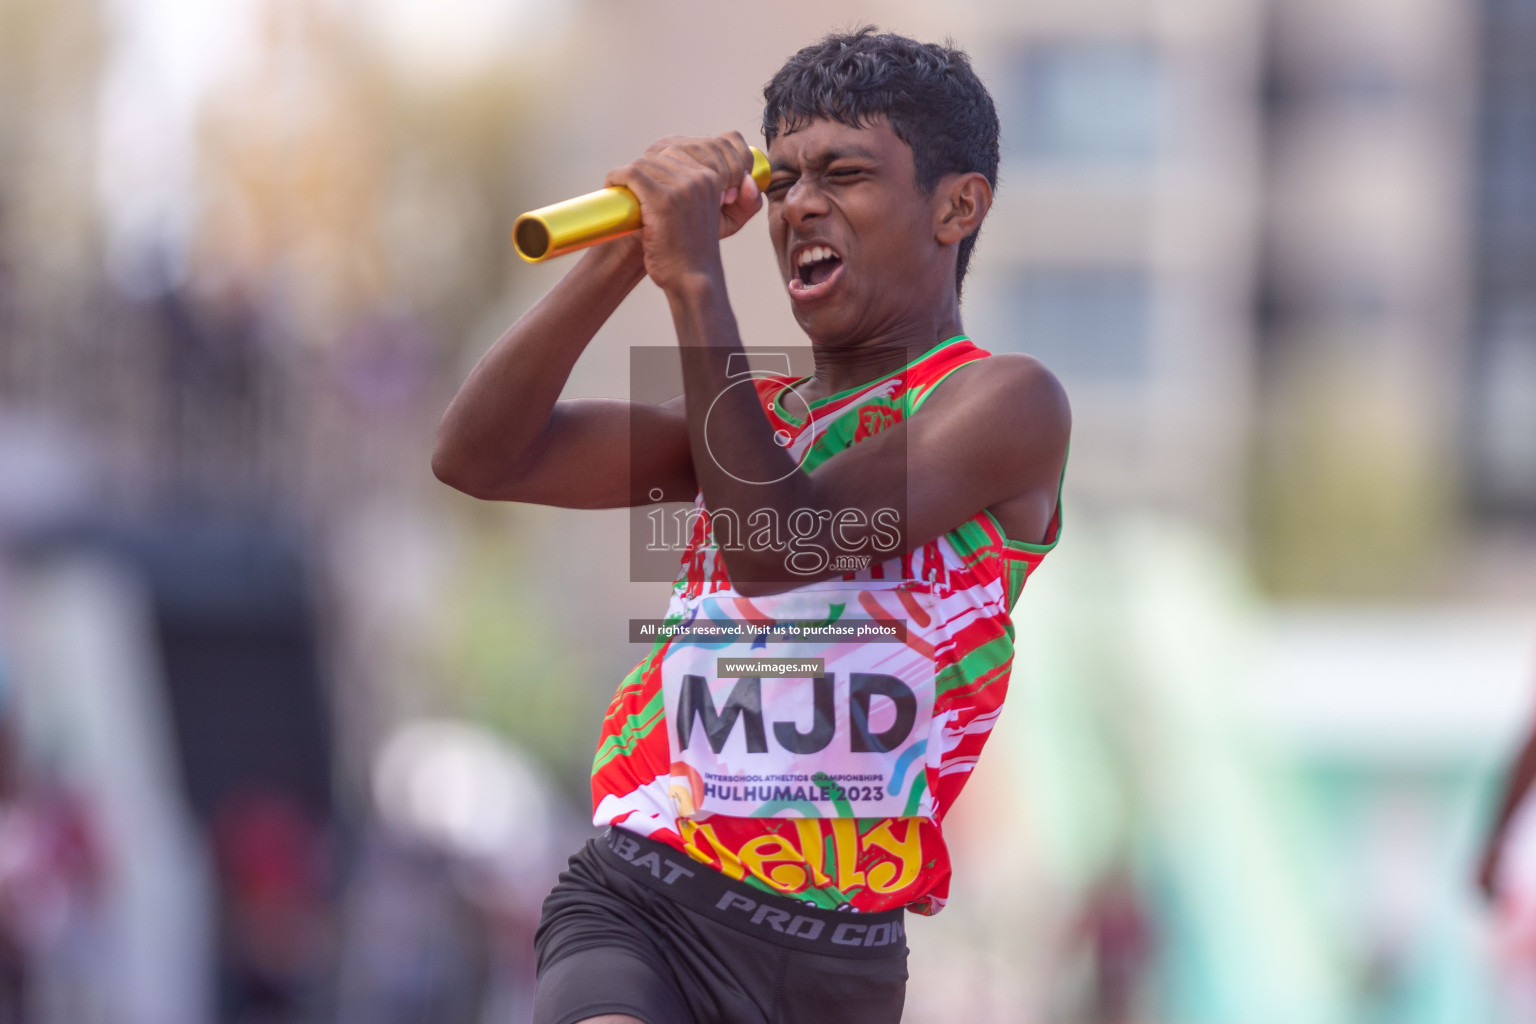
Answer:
(829, 156)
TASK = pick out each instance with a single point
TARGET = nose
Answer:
(804, 202)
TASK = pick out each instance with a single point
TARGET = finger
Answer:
(737, 154)
(713, 154)
(663, 143)
(620, 175)
(659, 167)
(638, 177)
(747, 207)
(740, 149)
(681, 170)
(748, 199)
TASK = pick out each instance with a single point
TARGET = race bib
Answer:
(815, 703)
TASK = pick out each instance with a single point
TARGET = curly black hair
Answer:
(927, 93)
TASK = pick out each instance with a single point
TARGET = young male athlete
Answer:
(766, 832)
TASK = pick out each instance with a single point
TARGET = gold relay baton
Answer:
(596, 217)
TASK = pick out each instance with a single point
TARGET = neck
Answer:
(841, 367)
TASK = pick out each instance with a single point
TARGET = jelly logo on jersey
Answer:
(745, 704)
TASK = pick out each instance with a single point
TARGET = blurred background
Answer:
(289, 732)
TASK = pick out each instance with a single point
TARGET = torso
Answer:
(968, 581)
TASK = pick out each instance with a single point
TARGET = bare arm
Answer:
(506, 436)
(1521, 775)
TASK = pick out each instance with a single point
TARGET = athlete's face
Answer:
(854, 235)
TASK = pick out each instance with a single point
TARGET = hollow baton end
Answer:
(552, 231)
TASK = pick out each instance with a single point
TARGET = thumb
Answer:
(748, 196)
(742, 206)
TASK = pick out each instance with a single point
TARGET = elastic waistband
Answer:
(780, 920)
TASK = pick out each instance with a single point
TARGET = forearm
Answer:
(735, 454)
(707, 338)
(498, 414)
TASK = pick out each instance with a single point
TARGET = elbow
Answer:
(446, 462)
(448, 472)
(755, 577)
(444, 468)
(765, 588)
(751, 588)
(446, 465)
(479, 479)
(451, 470)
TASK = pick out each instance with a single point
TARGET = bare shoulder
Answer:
(1014, 391)
(992, 435)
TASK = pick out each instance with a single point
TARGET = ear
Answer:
(961, 202)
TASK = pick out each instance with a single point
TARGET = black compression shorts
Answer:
(635, 927)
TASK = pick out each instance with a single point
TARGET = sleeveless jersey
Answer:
(799, 840)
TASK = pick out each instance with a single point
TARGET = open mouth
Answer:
(816, 267)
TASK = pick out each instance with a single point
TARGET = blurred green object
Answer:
(1136, 644)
